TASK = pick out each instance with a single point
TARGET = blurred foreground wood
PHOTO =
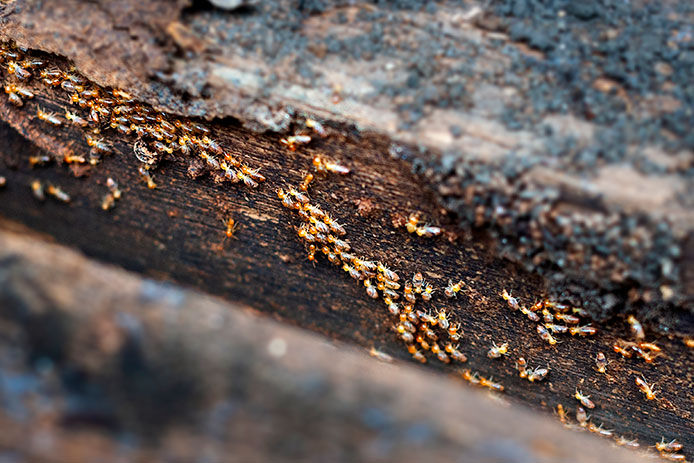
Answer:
(114, 367)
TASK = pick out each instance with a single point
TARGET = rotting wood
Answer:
(187, 375)
(161, 235)
(370, 170)
(517, 137)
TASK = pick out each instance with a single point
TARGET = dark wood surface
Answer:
(175, 232)
(552, 112)
(145, 371)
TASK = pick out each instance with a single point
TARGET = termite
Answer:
(512, 301)
(147, 177)
(442, 318)
(491, 384)
(370, 289)
(51, 118)
(521, 366)
(412, 222)
(645, 388)
(636, 328)
(231, 227)
(293, 141)
(308, 178)
(316, 127)
(547, 316)
(428, 290)
(624, 442)
(544, 334)
(600, 362)
(567, 318)
(324, 166)
(39, 160)
(538, 374)
(585, 330)
(287, 200)
(455, 353)
(620, 349)
(672, 446)
(418, 356)
(673, 457)
(584, 399)
(582, 417)
(417, 282)
(98, 144)
(452, 289)
(75, 119)
(113, 187)
(37, 190)
(556, 328)
(600, 430)
(382, 356)
(74, 159)
(440, 354)
(426, 317)
(58, 194)
(470, 377)
(387, 273)
(497, 351)
(454, 331)
(428, 231)
(530, 314)
(562, 414)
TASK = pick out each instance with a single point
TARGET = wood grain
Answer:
(205, 377)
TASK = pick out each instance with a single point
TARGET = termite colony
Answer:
(425, 333)
(583, 422)
(669, 450)
(41, 191)
(421, 331)
(552, 318)
(97, 110)
(555, 319)
(647, 351)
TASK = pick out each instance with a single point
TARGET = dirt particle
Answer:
(365, 207)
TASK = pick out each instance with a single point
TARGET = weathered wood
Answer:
(188, 377)
(536, 120)
(175, 232)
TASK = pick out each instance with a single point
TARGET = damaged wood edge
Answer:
(223, 354)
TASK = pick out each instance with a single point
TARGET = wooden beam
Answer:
(113, 356)
(514, 135)
(176, 232)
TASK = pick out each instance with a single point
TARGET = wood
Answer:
(204, 377)
(455, 84)
(175, 232)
